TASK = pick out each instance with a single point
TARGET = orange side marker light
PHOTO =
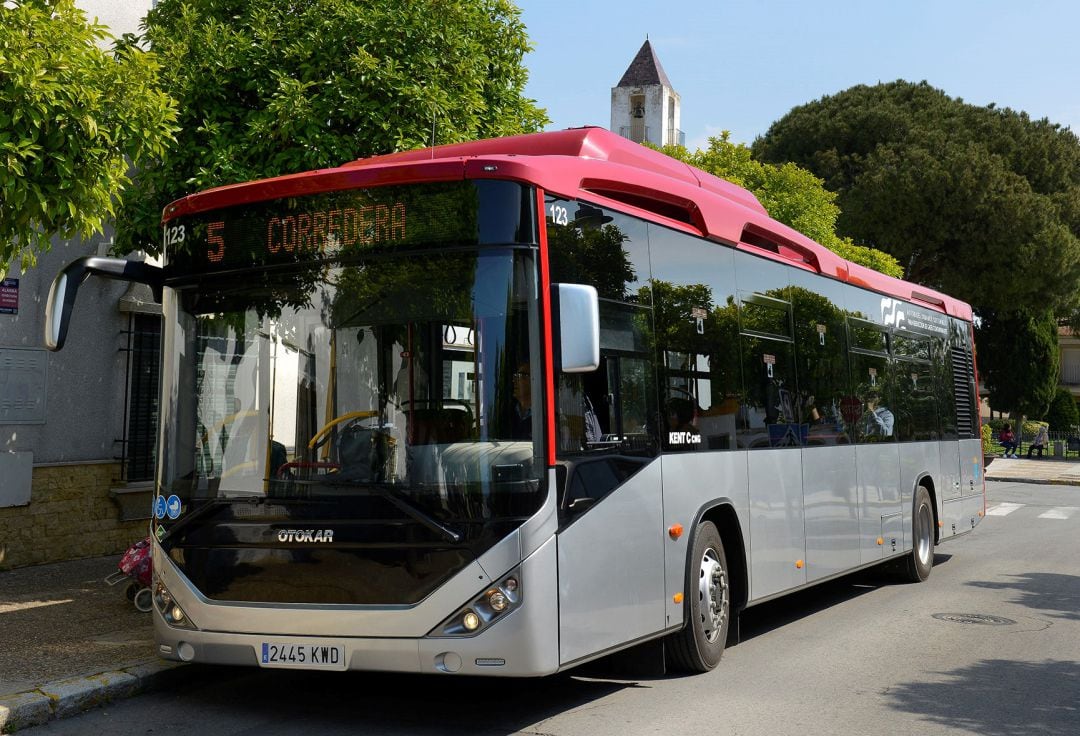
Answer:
(880, 541)
(678, 597)
(799, 564)
(675, 531)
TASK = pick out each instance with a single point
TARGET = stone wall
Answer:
(70, 515)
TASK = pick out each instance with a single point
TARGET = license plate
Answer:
(305, 655)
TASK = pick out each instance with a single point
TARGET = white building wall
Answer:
(657, 99)
(121, 16)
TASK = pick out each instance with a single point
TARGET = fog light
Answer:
(497, 601)
(471, 621)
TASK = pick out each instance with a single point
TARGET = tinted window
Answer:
(871, 387)
(769, 416)
(697, 341)
(607, 420)
(821, 359)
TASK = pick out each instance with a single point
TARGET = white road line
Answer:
(12, 607)
(1061, 512)
(1003, 509)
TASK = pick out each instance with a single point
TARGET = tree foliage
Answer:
(73, 117)
(790, 194)
(1018, 360)
(269, 87)
(980, 202)
(1063, 416)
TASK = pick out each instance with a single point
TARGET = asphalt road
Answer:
(990, 644)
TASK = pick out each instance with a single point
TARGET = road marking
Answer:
(1061, 512)
(12, 607)
(1003, 509)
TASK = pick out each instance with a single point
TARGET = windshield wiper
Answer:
(408, 507)
(210, 505)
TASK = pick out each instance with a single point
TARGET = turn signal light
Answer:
(488, 607)
(675, 531)
(169, 609)
(678, 597)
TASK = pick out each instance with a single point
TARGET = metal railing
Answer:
(624, 131)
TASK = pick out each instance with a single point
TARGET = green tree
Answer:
(790, 194)
(980, 202)
(1063, 416)
(73, 117)
(1018, 360)
(269, 87)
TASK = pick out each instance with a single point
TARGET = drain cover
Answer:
(974, 618)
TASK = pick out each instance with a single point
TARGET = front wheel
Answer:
(699, 645)
(921, 559)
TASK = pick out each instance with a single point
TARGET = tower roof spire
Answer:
(645, 69)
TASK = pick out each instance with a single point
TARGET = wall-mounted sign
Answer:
(9, 296)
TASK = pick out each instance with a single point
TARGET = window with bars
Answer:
(144, 362)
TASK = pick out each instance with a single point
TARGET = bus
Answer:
(508, 406)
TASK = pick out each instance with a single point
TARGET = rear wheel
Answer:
(921, 559)
(699, 645)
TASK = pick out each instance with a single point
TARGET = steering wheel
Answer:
(352, 417)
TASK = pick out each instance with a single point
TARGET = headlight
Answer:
(169, 609)
(485, 609)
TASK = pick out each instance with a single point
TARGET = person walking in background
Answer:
(1008, 440)
(1042, 439)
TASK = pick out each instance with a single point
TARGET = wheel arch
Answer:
(721, 512)
(927, 481)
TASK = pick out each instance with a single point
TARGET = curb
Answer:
(1038, 481)
(68, 697)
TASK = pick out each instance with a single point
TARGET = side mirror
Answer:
(65, 287)
(578, 313)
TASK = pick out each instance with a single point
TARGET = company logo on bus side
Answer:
(306, 535)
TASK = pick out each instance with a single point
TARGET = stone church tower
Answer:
(644, 107)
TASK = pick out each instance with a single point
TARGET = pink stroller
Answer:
(136, 567)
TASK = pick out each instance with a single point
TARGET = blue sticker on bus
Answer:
(173, 506)
(160, 507)
(266, 653)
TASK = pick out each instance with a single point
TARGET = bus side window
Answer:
(605, 420)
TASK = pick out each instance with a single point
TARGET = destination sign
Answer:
(323, 226)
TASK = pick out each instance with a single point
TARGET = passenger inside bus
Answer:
(877, 421)
(681, 415)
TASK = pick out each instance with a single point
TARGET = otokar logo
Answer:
(305, 535)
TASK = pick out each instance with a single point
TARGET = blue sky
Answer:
(741, 65)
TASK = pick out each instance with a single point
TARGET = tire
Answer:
(698, 646)
(144, 600)
(921, 560)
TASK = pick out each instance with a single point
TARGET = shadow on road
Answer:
(985, 698)
(391, 704)
(1054, 593)
(769, 616)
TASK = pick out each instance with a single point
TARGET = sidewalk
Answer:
(69, 642)
(1049, 470)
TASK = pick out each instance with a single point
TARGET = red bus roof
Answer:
(599, 166)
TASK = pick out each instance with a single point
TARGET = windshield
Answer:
(394, 391)
(368, 376)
